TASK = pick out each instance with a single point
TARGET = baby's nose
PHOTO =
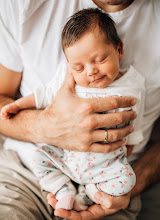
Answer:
(92, 70)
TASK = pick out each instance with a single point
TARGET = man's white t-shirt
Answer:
(30, 41)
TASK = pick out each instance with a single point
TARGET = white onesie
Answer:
(110, 172)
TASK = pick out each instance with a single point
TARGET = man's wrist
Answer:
(147, 169)
(35, 126)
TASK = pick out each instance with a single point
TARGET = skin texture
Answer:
(23, 123)
(51, 128)
(96, 65)
(148, 164)
(112, 5)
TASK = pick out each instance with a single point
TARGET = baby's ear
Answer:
(120, 50)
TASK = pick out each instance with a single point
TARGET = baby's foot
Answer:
(66, 196)
(81, 200)
(65, 202)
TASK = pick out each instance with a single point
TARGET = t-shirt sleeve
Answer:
(10, 35)
(44, 95)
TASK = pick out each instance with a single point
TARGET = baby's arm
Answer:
(13, 108)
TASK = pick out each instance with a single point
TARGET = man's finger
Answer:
(110, 103)
(113, 119)
(106, 148)
(51, 200)
(112, 202)
(94, 212)
(112, 134)
(71, 215)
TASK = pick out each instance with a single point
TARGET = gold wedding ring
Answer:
(106, 137)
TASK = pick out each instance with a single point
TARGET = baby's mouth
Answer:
(98, 79)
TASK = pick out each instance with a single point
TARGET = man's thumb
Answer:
(101, 199)
(69, 82)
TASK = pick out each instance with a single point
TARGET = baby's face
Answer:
(92, 61)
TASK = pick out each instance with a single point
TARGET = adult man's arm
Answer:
(69, 122)
(147, 169)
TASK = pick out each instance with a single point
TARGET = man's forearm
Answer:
(23, 126)
(147, 169)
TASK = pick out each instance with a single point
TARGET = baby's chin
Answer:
(99, 85)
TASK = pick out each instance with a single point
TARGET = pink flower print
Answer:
(34, 161)
(90, 160)
(91, 165)
(60, 161)
(40, 148)
(94, 158)
(103, 186)
(113, 185)
(100, 186)
(125, 170)
(56, 156)
(90, 173)
(130, 174)
(102, 174)
(72, 155)
(91, 180)
(89, 153)
(125, 182)
(106, 164)
(49, 162)
(52, 154)
(63, 169)
(115, 153)
(122, 185)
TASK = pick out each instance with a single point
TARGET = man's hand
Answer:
(108, 206)
(74, 123)
(69, 122)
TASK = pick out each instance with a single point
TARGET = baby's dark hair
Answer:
(86, 20)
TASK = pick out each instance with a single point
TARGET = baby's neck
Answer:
(119, 76)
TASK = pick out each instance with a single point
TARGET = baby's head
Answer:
(92, 48)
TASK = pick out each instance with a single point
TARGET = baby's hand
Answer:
(8, 110)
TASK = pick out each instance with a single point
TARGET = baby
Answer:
(93, 52)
